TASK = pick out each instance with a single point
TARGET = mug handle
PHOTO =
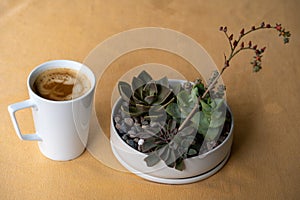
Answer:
(19, 106)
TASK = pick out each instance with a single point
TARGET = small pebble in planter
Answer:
(128, 121)
(140, 143)
(132, 133)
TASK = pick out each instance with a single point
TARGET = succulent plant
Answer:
(162, 138)
(171, 123)
(145, 97)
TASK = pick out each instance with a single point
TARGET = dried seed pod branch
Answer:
(235, 49)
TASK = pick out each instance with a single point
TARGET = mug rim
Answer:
(54, 64)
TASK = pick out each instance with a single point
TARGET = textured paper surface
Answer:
(265, 156)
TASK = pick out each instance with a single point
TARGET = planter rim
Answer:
(173, 181)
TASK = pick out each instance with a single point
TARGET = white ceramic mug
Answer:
(61, 126)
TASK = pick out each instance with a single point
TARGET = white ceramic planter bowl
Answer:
(133, 160)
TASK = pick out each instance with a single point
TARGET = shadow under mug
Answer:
(61, 126)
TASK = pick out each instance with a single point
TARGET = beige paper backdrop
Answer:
(265, 156)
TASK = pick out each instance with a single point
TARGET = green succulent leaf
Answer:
(196, 119)
(217, 113)
(185, 103)
(183, 139)
(187, 131)
(168, 155)
(171, 159)
(152, 159)
(125, 91)
(201, 88)
(183, 99)
(193, 96)
(145, 77)
(217, 103)
(163, 153)
(192, 152)
(176, 88)
(217, 119)
(203, 123)
(205, 107)
(204, 120)
(212, 133)
(173, 110)
(186, 142)
(180, 164)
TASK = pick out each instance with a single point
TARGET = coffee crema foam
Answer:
(61, 84)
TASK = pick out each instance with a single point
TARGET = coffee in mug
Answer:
(61, 84)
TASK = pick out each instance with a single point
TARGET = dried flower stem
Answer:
(256, 63)
(187, 119)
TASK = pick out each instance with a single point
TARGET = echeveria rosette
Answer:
(145, 97)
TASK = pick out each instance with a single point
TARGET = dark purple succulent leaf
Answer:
(185, 132)
(152, 159)
(142, 107)
(145, 135)
(154, 116)
(150, 99)
(136, 83)
(125, 91)
(164, 95)
(171, 124)
(163, 82)
(150, 88)
(149, 145)
(133, 111)
(145, 77)
(138, 95)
